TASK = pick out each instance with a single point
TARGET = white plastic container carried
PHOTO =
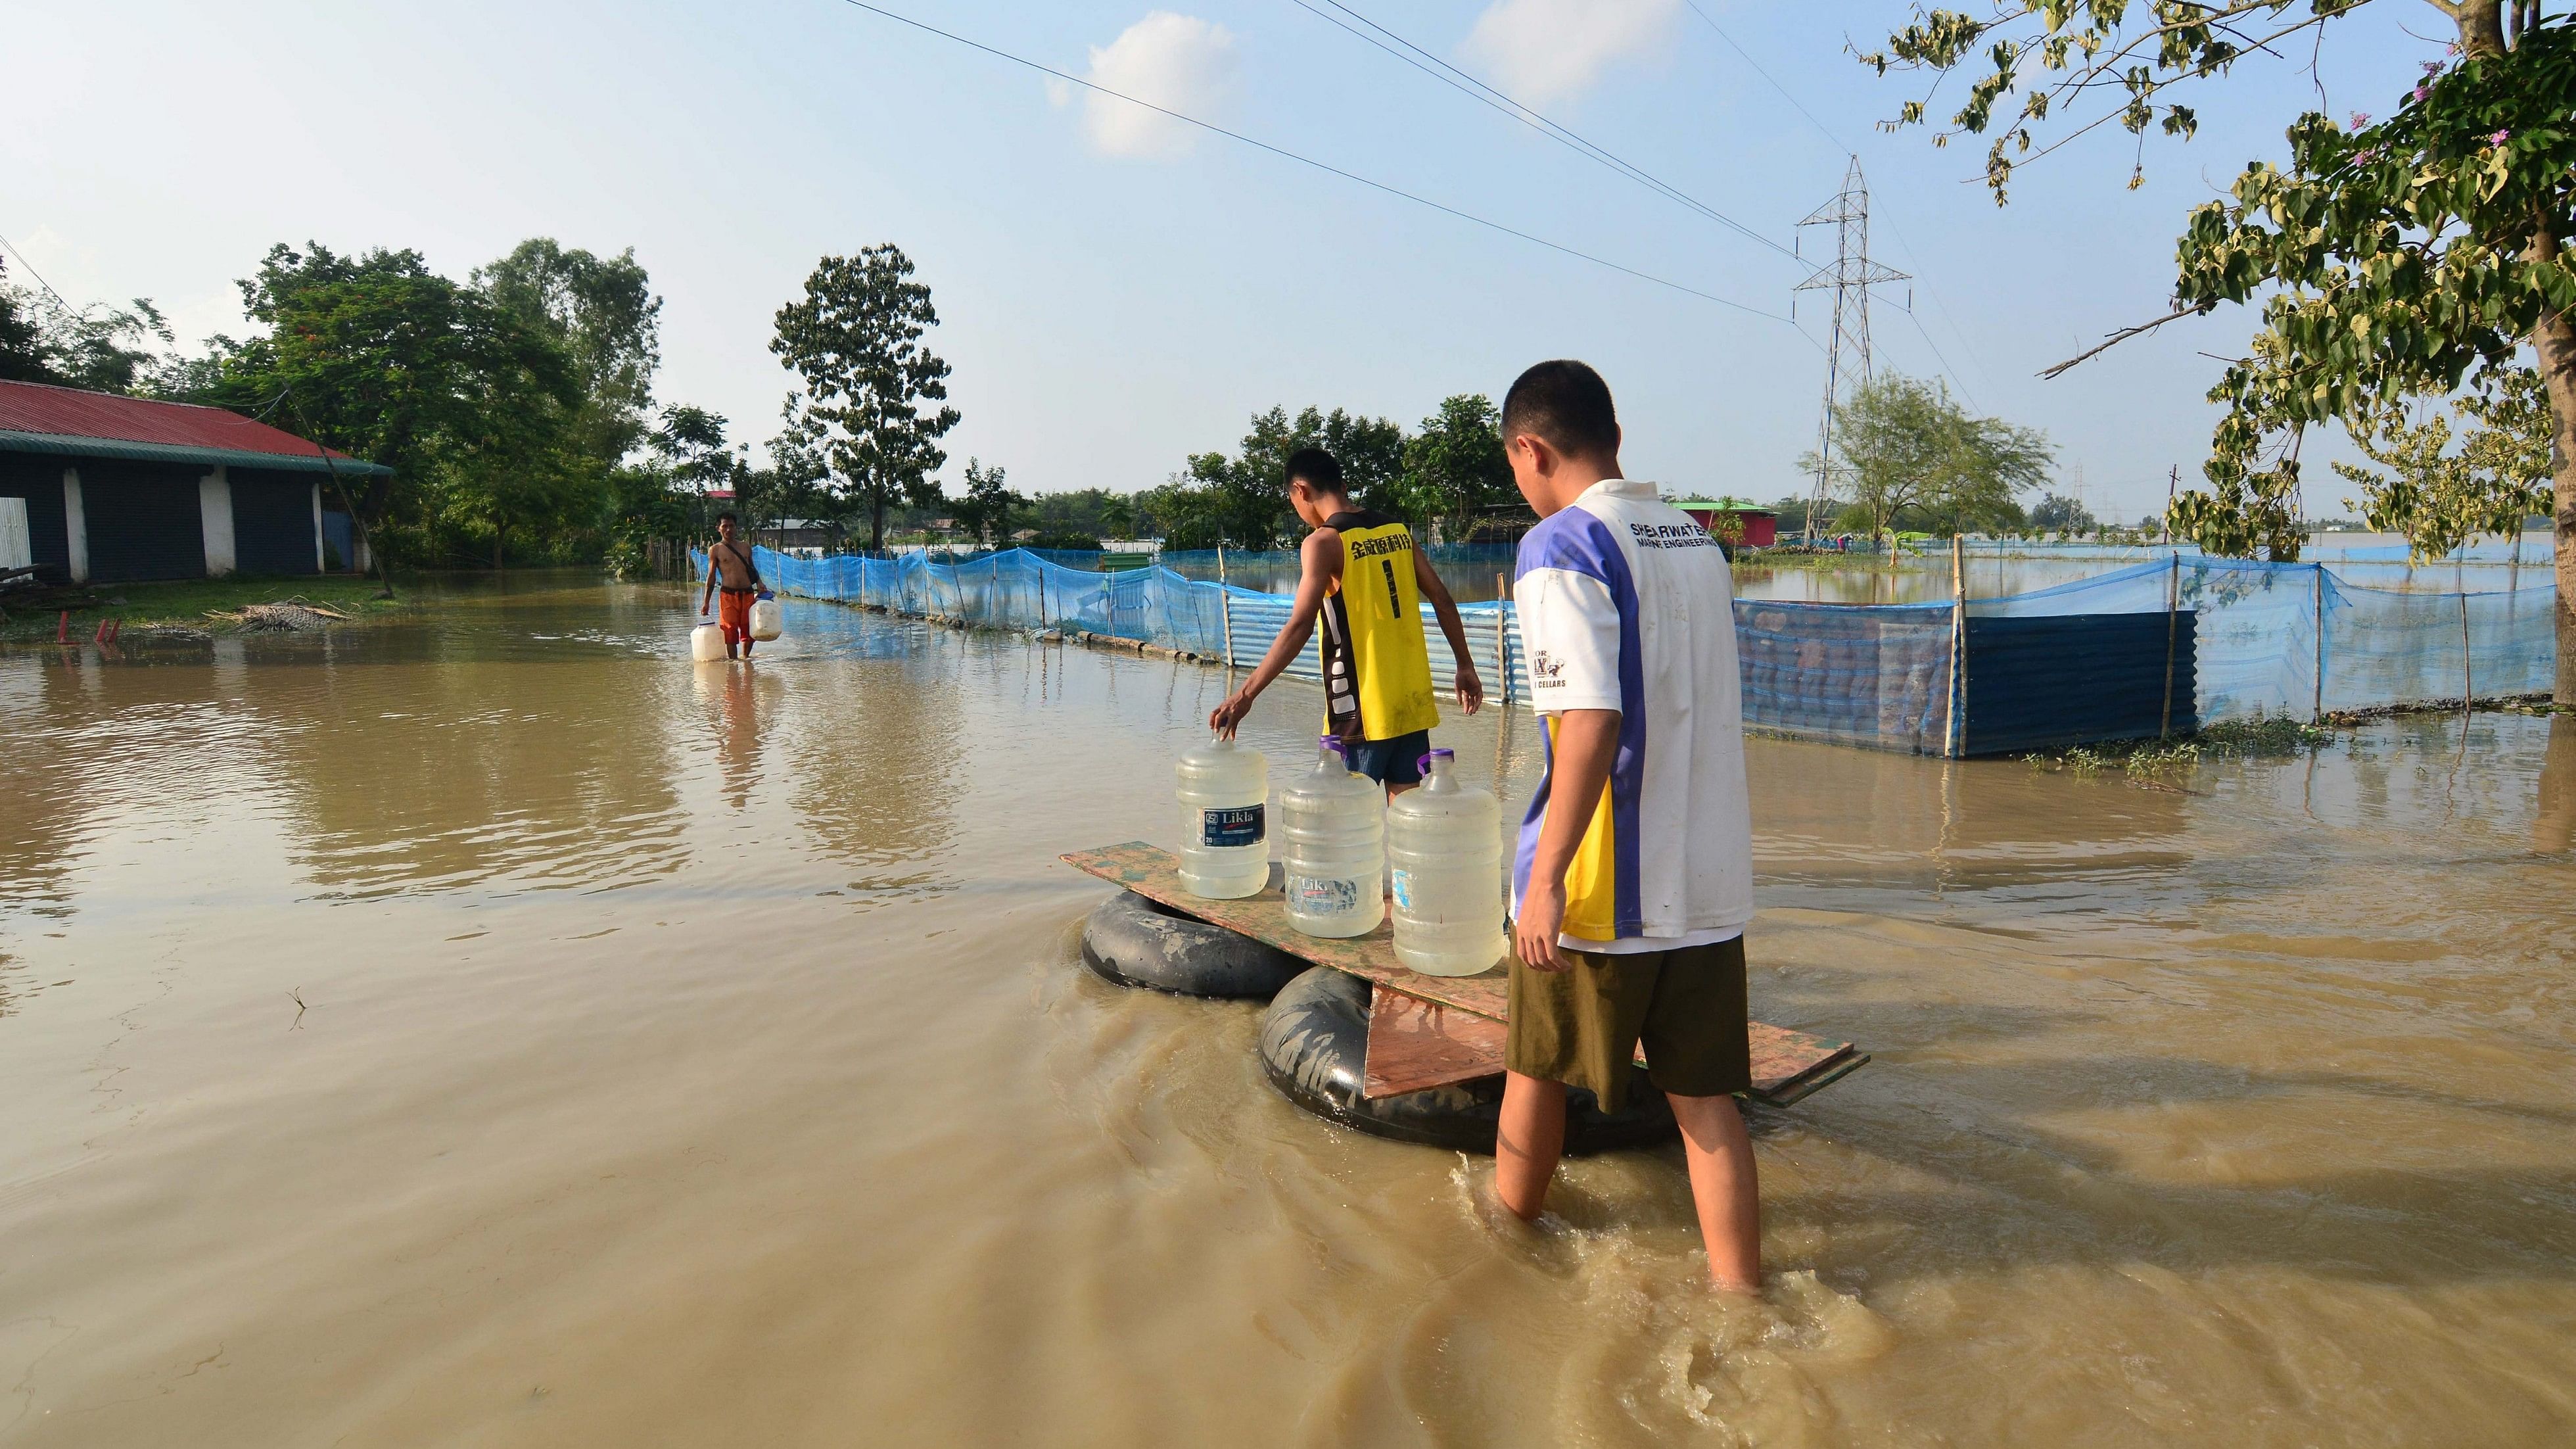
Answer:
(706, 644)
(1332, 827)
(1225, 836)
(764, 617)
(1445, 843)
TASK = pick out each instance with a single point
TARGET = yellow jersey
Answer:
(1377, 669)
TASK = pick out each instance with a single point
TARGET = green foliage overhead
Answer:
(855, 338)
(2439, 498)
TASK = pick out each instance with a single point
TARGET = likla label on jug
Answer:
(1240, 825)
(1402, 884)
(1317, 895)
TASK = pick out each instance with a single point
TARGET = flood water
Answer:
(491, 1029)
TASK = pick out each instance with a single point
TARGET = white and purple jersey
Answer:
(1626, 604)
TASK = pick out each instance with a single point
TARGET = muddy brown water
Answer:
(493, 1030)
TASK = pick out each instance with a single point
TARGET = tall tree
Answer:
(102, 349)
(855, 339)
(378, 356)
(986, 509)
(1455, 468)
(2388, 259)
(1905, 444)
(1242, 498)
(603, 314)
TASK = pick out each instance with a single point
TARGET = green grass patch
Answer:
(189, 603)
(2270, 738)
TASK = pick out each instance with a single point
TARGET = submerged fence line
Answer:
(2173, 644)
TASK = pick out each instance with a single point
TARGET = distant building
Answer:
(1760, 526)
(100, 488)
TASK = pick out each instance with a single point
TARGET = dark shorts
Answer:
(1391, 762)
(1581, 1025)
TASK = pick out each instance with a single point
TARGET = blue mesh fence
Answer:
(2259, 639)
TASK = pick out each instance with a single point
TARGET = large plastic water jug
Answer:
(1445, 843)
(1225, 836)
(764, 617)
(1332, 826)
(706, 644)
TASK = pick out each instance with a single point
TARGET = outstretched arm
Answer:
(1321, 557)
(1471, 689)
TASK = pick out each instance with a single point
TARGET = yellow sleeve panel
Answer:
(1592, 877)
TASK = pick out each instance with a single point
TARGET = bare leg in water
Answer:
(1725, 1184)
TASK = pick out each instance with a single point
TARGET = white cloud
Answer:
(1546, 50)
(1178, 61)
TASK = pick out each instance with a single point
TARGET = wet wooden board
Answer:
(1415, 1044)
(1787, 1065)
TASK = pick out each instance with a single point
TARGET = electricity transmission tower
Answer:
(1850, 278)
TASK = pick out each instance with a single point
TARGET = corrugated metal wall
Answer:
(272, 521)
(2039, 682)
(144, 520)
(39, 480)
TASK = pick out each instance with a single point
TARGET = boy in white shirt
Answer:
(1635, 874)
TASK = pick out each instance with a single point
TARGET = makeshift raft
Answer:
(1430, 1031)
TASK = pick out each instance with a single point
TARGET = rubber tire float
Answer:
(1137, 942)
(1314, 1049)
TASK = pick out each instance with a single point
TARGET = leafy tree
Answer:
(102, 349)
(855, 338)
(1904, 444)
(1455, 468)
(2440, 499)
(378, 356)
(986, 510)
(1245, 495)
(605, 317)
(2062, 515)
(2389, 259)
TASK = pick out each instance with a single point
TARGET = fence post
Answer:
(1224, 604)
(2468, 681)
(1503, 638)
(2173, 598)
(1954, 734)
(2317, 712)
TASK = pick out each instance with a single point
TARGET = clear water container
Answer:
(1445, 843)
(765, 622)
(706, 644)
(1332, 825)
(1225, 836)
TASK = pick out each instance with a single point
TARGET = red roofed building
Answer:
(94, 486)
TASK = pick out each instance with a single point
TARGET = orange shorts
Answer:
(733, 614)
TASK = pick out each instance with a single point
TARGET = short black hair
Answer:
(1321, 470)
(1566, 403)
(727, 517)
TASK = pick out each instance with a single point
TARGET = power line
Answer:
(1318, 165)
(1486, 95)
(59, 299)
(1785, 93)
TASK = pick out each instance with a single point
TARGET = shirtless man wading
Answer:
(733, 568)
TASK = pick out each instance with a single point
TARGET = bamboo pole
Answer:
(2468, 681)
(1503, 638)
(2317, 711)
(1225, 604)
(2173, 598)
(1955, 733)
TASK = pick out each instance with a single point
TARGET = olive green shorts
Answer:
(1581, 1025)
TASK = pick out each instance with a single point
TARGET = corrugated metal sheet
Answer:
(2043, 681)
(145, 521)
(63, 446)
(272, 521)
(35, 417)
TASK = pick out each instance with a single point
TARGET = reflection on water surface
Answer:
(492, 1028)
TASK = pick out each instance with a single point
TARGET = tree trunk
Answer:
(496, 545)
(876, 524)
(2555, 340)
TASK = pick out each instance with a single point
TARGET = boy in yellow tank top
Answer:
(1363, 578)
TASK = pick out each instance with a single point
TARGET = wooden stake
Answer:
(1225, 604)
(2173, 598)
(1503, 638)
(1955, 734)
(2317, 711)
(2468, 681)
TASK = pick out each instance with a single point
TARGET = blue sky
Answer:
(1115, 295)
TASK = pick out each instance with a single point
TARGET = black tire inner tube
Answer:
(1314, 1049)
(1138, 942)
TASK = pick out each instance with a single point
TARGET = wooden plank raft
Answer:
(1435, 1029)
